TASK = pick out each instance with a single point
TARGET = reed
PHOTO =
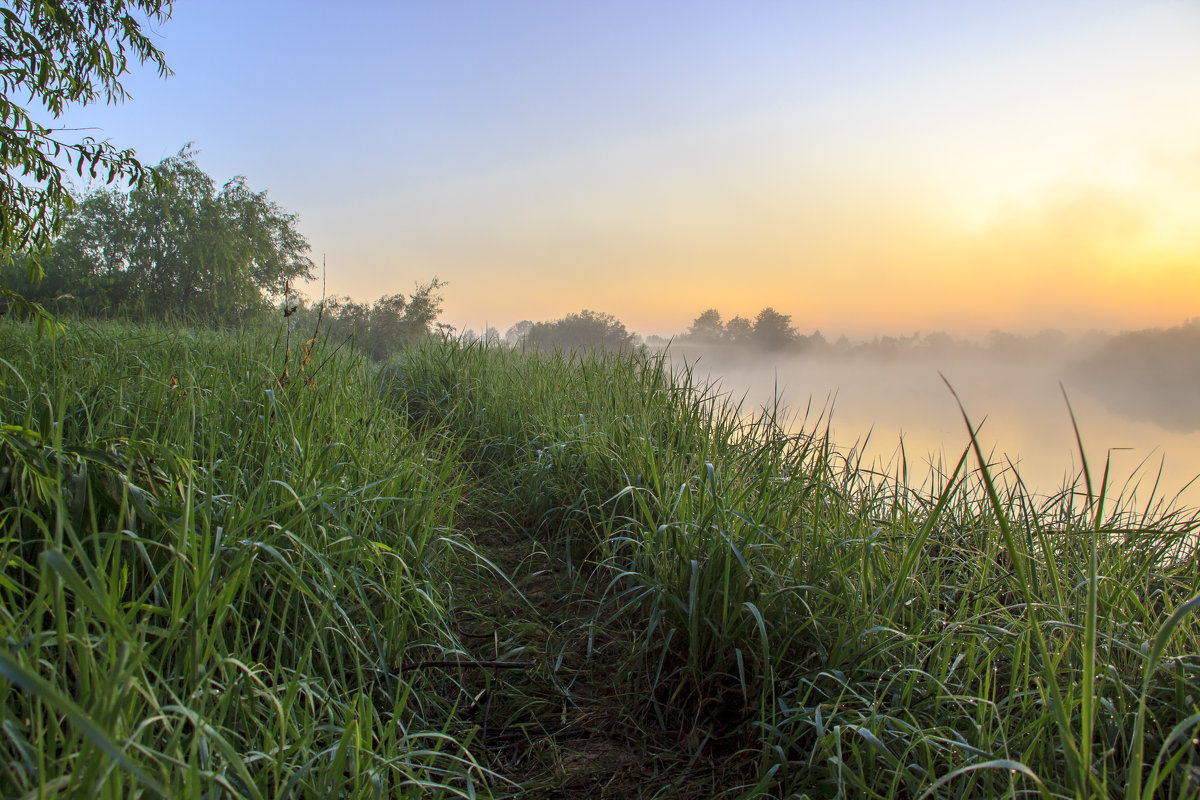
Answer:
(212, 574)
(851, 634)
(233, 572)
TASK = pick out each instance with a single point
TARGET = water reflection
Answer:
(1151, 437)
(1151, 375)
(1172, 402)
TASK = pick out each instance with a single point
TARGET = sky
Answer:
(866, 167)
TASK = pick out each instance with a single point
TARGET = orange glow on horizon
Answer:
(1088, 258)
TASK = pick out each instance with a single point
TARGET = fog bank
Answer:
(889, 409)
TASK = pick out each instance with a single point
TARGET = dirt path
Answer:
(566, 725)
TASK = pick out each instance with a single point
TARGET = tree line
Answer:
(173, 243)
(769, 331)
(773, 332)
(587, 330)
(181, 247)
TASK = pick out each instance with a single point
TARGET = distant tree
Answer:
(587, 330)
(1048, 340)
(385, 329)
(89, 274)
(58, 54)
(346, 319)
(772, 330)
(739, 331)
(176, 246)
(813, 343)
(1151, 374)
(420, 316)
(707, 328)
(517, 334)
(390, 323)
(937, 343)
(888, 347)
(489, 336)
(1003, 343)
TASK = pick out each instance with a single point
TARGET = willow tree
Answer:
(177, 246)
(55, 54)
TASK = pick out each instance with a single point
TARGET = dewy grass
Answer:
(850, 634)
(212, 576)
(213, 579)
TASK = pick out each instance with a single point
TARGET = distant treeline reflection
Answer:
(1151, 375)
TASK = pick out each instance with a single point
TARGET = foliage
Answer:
(845, 633)
(176, 247)
(489, 336)
(772, 330)
(707, 328)
(518, 333)
(739, 331)
(384, 327)
(212, 576)
(58, 54)
(587, 330)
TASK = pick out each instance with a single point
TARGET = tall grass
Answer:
(224, 579)
(852, 635)
(213, 574)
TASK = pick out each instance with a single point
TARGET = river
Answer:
(875, 405)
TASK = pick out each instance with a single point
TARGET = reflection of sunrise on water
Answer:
(1017, 406)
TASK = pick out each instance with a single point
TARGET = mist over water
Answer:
(875, 406)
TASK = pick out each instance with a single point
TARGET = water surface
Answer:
(875, 406)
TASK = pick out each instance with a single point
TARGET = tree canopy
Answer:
(769, 331)
(739, 330)
(587, 330)
(707, 327)
(518, 333)
(55, 54)
(174, 246)
(387, 325)
(58, 54)
(772, 330)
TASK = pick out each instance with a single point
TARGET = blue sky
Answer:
(863, 166)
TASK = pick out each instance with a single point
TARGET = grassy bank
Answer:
(849, 634)
(218, 577)
(213, 575)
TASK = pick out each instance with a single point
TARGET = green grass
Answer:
(855, 636)
(212, 579)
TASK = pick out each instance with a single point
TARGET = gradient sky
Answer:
(867, 167)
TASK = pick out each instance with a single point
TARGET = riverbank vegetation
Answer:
(351, 558)
(252, 565)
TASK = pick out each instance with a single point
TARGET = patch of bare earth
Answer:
(565, 723)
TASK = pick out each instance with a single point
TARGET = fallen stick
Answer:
(413, 665)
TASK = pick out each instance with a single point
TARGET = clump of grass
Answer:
(220, 583)
(844, 632)
(212, 578)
